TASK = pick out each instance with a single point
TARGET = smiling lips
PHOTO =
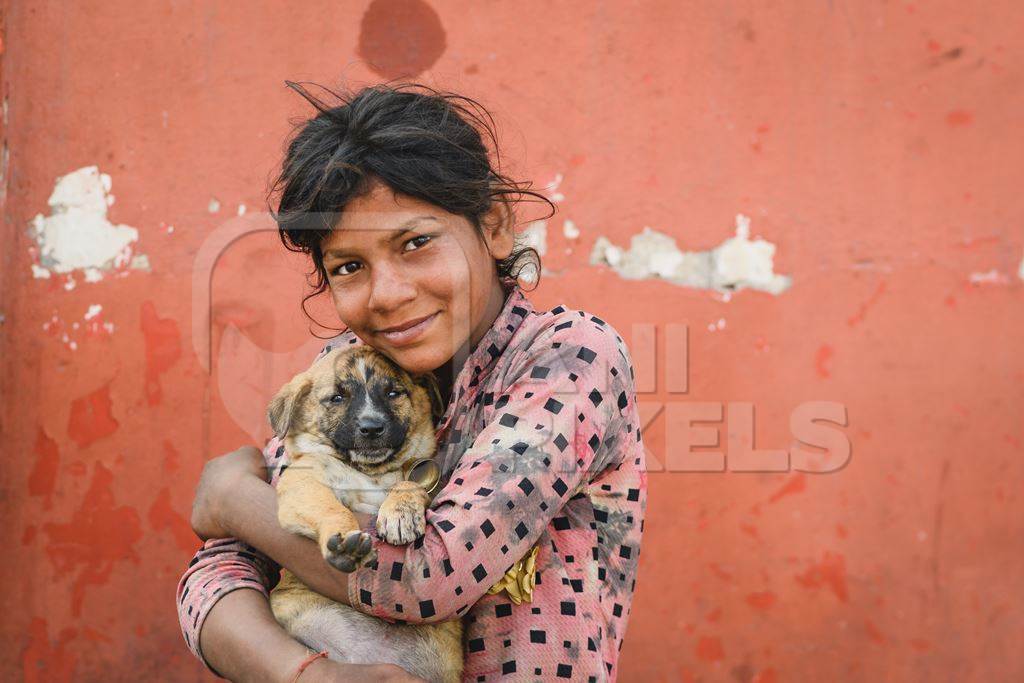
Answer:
(407, 332)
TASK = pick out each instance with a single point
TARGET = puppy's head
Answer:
(357, 405)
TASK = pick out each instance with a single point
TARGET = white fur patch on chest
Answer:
(357, 491)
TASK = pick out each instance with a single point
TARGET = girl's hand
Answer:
(217, 488)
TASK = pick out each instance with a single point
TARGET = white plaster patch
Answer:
(737, 263)
(213, 206)
(77, 235)
(536, 235)
(241, 209)
(1020, 271)
(991, 277)
(570, 230)
(94, 310)
(555, 195)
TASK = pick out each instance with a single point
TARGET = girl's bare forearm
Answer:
(253, 519)
(242, 641)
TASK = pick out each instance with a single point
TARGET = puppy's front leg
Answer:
(401, 519)
(306, 506)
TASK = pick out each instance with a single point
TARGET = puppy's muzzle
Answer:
(370, 440)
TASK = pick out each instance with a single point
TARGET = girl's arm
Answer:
(262, 650)
(571, 390)
(234, 500)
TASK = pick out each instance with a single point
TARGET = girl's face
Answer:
(412, 280)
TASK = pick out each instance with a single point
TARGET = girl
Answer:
(534, 536)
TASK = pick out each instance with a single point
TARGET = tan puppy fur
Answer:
(352, 425)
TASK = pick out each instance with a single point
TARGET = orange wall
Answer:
(877, 145)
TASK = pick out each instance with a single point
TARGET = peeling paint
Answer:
(42, 480)
(536, 235)
(94, 310)
(737, 263)
(241, 209)
(46, 659)
(570, 230)
(163, 517)
(100, 535)
(213, 206)
(77, 234)
(1020, 270)
(163, 348)
(555, 195)
(91, 417)
(991, 277)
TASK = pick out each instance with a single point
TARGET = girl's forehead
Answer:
(379, 216)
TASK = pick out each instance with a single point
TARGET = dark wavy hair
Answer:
(419, 141)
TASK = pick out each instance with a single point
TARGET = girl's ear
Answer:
(499, 235)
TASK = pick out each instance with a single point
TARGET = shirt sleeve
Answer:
(542, 442)
(223, 565)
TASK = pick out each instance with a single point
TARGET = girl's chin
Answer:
(418, 360)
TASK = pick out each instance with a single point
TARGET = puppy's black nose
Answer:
(371, 427)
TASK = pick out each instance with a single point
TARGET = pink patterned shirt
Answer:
(540, 445)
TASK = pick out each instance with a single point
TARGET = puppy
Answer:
(354, 424)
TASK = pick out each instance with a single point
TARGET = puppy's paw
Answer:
(350, 552)
(401, 520)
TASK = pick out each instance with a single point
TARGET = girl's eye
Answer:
(343, 268)
(426, 239)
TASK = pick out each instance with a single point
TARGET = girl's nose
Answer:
(390, 289)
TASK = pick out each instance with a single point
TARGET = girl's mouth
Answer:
(409, 334)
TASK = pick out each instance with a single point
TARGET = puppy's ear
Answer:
(282, 406)
(430, 384)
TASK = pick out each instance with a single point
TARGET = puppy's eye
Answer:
(337, 398)
(395, 393)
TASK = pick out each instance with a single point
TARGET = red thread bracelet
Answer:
(312, 657)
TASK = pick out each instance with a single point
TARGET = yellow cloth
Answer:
(519, 580)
